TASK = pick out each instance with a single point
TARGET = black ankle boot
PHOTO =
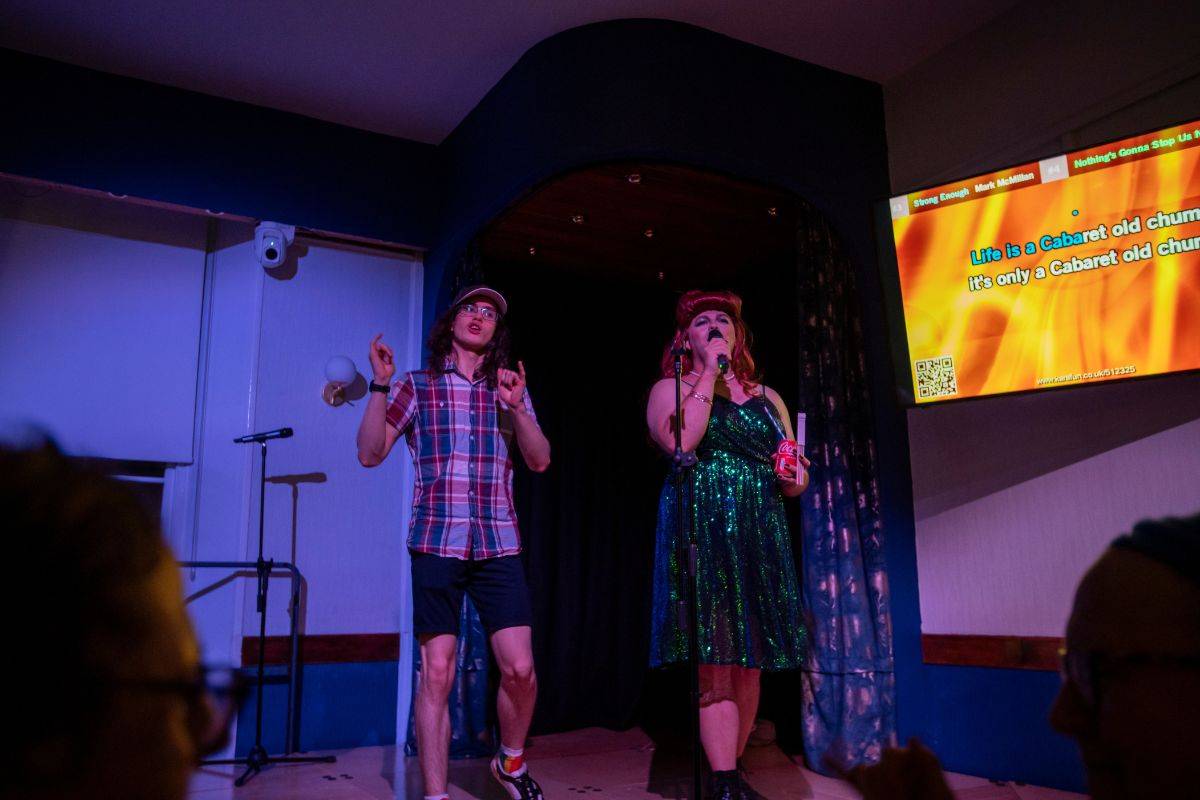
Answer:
(726, 786)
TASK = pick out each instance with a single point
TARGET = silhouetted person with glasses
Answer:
(1130, 695)
(1131, 667)
(109, 699)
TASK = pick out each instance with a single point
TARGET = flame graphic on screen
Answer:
(1139, 317)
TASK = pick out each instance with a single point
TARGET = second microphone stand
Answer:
(686, 606)
(258, 757)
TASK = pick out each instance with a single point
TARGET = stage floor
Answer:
(622, 765)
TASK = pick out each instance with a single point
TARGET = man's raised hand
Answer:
(511, 386)
(383, 363)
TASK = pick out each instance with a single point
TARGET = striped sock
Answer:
(512, 762)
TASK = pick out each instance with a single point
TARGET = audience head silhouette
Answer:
(1131, 667)
(111, 700)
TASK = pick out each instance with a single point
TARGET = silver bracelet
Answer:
(701, 398)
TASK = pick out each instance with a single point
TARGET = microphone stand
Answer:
(258, 758)
(686, 606)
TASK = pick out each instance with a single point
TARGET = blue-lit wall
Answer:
(630, 89)
(341, 705)
(633, 89)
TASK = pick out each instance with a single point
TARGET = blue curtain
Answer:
(471, 734)
(849, 689)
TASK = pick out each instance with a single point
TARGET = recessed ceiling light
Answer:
(634, 177)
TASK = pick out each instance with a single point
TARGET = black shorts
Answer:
(496, 586)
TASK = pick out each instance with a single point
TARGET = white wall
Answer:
(344, 526)
(266, 339)
(179, 341)
(99, 322)
(1015, 496)
(211, 501)
(1007, 561)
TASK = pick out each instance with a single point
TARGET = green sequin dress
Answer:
(749, 605)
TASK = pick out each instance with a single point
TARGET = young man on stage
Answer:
(460, 416)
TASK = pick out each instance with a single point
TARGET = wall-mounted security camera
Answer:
(271, 241)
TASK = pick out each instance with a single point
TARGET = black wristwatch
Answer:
(375, 387)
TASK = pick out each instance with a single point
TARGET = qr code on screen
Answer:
(935, 377)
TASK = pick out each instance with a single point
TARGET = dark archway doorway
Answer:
(593, 262)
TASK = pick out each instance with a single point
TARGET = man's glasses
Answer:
(1087, 670)
(487, 312)
(213, 698)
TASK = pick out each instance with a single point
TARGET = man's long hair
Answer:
(440, 346)
(693, 302)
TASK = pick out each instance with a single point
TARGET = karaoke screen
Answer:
(1079, 268)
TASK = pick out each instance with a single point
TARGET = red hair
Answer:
(694, 302)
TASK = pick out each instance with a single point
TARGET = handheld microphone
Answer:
(722, 361)
(282, 433)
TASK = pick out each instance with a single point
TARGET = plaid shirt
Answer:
(460, 434)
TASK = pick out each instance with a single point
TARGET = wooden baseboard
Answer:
(1007, 652)
(962, 650)
(336, 648)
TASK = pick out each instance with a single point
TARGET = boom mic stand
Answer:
(686, 606)
(258, 758)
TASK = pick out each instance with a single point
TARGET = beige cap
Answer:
(482, 291)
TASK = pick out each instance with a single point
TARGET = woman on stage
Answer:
(748, 607)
